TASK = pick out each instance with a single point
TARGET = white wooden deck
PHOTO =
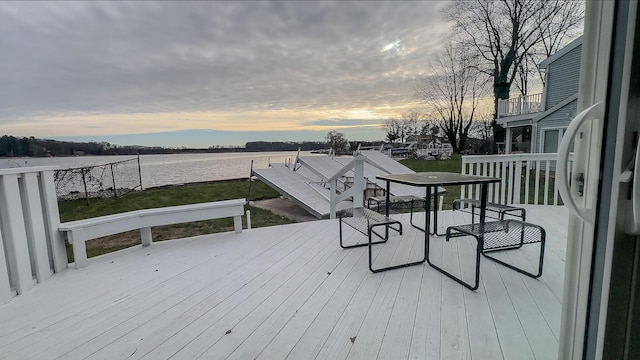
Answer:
(292, 292)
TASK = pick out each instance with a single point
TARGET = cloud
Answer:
(70, 59)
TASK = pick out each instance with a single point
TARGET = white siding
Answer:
(558, 119)
(563, 77)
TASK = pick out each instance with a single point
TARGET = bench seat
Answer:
(379, 201)
(500, 235)
(364, 221)
(493, 210)
(78, 232)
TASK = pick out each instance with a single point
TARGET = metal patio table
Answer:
(430, 181)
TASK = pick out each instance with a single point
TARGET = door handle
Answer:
(564, 186)
(630, 175)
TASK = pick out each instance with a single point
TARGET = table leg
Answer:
(428, 213)
(426, 243)
(386, 208)
(435, 213)
(484, 189)
(479, 241)
(427, 208)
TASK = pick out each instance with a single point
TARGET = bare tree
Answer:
(411, 123)
(412, 120)
(504, 33)
(430, 126)
(558, 30)
(453, 92)
(481, 129)
(336, 140)
(393, 130)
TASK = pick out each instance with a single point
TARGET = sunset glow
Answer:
(100, 70)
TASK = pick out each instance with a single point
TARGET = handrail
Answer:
(27, 170)
(526, 178)
(520, 105)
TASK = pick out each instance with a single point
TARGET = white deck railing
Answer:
(526, 178)
(520, 105)
(31, 248)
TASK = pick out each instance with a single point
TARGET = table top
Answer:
(437, 179)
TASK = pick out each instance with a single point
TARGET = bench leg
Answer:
(512, 267)
(237, 224)
(421, 261)
(471, 286)
(384, 239)
(436, 208)
(473, 214)
(79, 251)
(145, 236)
(411, 218)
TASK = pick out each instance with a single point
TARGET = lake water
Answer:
(158, 170)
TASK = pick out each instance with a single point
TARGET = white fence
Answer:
(526, 178)
(31, 248)
(520, 105)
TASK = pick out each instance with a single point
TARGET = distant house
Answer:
(545, 116)
(428, 146)
(427, 140)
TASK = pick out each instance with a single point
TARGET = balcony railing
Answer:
(526, 178)
(520, 105)
(31, 247)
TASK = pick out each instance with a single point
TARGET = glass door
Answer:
(601, 295)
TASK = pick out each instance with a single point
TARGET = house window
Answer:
(551, 140)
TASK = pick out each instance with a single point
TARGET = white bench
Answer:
(78, 232)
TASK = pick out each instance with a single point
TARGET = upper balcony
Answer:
(520, 105)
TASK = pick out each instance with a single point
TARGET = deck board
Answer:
(291, 291)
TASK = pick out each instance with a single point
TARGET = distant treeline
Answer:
(283, 146)
(303, 146)
(11, 146)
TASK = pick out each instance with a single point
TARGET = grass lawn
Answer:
(453, 165)
(170, 196)
(197, 193)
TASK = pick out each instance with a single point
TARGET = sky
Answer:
(200, 74)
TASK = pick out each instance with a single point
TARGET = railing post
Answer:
(464, 171)
(517, 182)
(52, 221)
(30, 237)
(358, 196)
(332, 198)
(5, 285)
(14, 229)
(34, 225)
(526, 181)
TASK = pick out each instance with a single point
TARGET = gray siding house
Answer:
(549, 113)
